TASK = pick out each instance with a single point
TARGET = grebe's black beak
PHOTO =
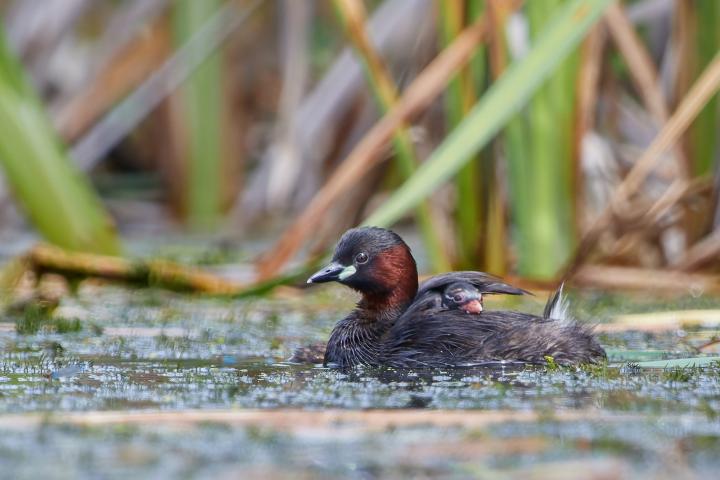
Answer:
(334, 272)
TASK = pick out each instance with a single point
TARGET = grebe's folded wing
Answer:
(482, 281)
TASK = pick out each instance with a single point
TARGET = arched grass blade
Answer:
(60, 203)
(502, 101)
(353, 16)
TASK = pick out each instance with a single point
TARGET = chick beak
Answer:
(474, 304)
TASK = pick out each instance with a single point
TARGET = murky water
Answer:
(152, 350)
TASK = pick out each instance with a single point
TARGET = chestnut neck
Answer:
(396, 280)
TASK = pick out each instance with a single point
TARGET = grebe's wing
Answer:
(429, 301)
(482, 281)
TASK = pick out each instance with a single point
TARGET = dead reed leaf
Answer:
(161, 273)
(589, 81)
(127, 70)
(663, 321)
(472, 450)
(353, 12)
(498, 13)
(119, 121)
(642, 70)
(588, 87)
(703, 89)
(638, 61)
(354, 16)
(645, 279)
(297, 420)
(703, 252)
(418, 96)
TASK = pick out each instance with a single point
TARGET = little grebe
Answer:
(398, 325)
(462, 296)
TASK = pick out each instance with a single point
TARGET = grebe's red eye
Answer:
(458, 298)
(361, 257)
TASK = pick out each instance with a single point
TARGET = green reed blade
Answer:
(703, 134)
(544, 213)
(459, 98)
(202, 100)
(385, 93)
(57, 198)
(497, 107)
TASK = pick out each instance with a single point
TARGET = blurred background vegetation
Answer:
(537, 139)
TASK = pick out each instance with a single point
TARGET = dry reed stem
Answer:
(611, 328)
(588, 86)
(367, 154)
(648, 216)
(293, 420)
(127, 70)
(119, 121)
(641, 222)
(642, 70)
(662, 321)
(589, 79)
(708, 344)
(705, 251)
(47, 258)
(354, 15)
(677, 191)
(638, 61)
(642, 279)
(475, 449)
(498, 13)
(703, 89)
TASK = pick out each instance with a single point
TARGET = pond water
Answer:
(147, 351)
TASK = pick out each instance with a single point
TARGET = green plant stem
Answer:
(491, 196)
(202, 115)
(352, 16)
(502, 101)
(703, 134)
(459, 99)
(547, 219)
(58, 199)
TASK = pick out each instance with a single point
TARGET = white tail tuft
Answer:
(558, 306)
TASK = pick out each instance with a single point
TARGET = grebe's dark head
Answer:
(463, 296)
(375, 262)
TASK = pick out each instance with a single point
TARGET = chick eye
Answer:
(458, 298)
(361, 257)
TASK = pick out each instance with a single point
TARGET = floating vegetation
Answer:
(679, 374)
(606, 372)
(35, 317)
(551, 365)
(154, 350)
